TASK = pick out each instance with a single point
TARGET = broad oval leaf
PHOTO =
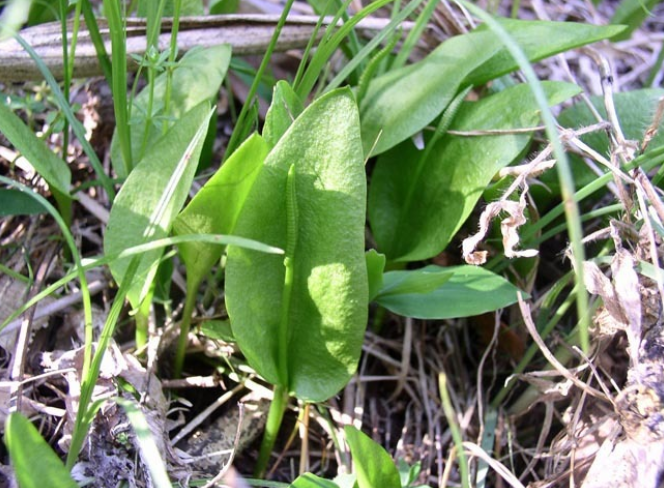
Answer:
(50, 167)
(153, 194)
(402, 102)
(303, 329)
(538, 39)
(417, 204)
(216, 207)
(196, 79)
(468, 291)
(373, 465)
(35, 463)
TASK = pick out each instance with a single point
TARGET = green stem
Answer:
(234, 141)
(66, 62)
(185, 325)
(272, 427)
(177, 7)
(97, 40)
(457, 436)
(116, 27)
(143, 318)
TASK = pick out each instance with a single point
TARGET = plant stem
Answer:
(185, 325)
(274, 418)
(142, 319)
(116, 27)
(448, 409)
(233, 143)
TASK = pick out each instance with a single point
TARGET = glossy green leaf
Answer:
(373, 465)
(402, 102)
(469, 291)
(196, 79)
(300, 320)
(375, 269)
(286, 106)
(153, 194)
(539, 39)
(632, 13)
(310, 480)
(34, 462)
(50, 167)
(15, 202)
(215, 208)
(417, 204)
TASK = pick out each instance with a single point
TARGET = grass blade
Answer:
(564, 171)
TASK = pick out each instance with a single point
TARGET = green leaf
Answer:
(153, 195)
(197, 78)
(224, 7)
(421, 281)
(408, 474)
(402, 102)
(310, 480)
(217, 329)
(346, 480)
(35, 463)
(469, 291)
(373, 465)
(539, 39)
(13, 16)
(418, 200)
(286, 106)
(43, 11)
(300, 321)
(15, 202)
(375, 268)
(187, 8)
(50, 167)
(150, 454)
(632, 13)
(635, 110)
(215, 208)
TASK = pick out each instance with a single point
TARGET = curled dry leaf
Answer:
(621, 297)
(508, 229)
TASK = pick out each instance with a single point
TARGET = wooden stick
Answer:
(247, 34)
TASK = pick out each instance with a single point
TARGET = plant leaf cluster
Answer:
(294, 200)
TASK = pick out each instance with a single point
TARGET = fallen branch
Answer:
(247, 34)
